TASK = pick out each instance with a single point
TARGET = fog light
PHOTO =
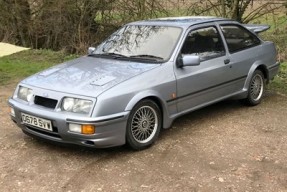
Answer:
(12, 111)
(75, 128)
(83, 129)
(88, 129)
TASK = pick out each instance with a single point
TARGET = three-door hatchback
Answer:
(141, 78)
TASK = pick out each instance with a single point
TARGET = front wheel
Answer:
(256, 89)
(144, 124)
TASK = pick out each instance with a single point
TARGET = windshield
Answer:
(141, 42)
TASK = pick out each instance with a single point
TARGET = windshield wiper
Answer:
(152, 58)
(149, 57)
(113, 55)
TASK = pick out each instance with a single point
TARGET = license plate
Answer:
(37, 122)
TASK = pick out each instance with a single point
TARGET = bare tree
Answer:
(241, 10)
(74, 25)
(14, 19)
(69, 25)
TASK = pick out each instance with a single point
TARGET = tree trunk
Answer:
(223, 8)
(22, 18)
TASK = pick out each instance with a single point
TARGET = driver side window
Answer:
(205, 42)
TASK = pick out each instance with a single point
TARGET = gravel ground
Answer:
(224, 147)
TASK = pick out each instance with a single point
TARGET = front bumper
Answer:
(110, 130)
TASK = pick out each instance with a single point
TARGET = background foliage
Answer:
(73, 26)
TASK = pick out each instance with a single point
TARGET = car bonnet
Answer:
(87, 76)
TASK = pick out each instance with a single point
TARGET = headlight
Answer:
(25, 93)
(77, 105)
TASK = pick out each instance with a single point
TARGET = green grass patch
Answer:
(20, 65)
(280, 81)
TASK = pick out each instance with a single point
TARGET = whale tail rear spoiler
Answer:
(257, 28)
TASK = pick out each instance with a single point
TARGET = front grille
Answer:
(45, 102)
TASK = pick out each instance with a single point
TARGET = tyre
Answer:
(256, 89)
(144, 124)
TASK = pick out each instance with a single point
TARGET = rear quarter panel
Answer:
(269, 54)
(265, 59)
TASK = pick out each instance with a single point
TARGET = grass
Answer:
(20, 65)
(279, 83)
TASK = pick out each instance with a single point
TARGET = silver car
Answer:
(142, 78)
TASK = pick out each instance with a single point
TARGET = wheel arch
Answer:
(264, 70)
(155, 97)
(256, 66)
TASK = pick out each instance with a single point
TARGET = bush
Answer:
(65, 24)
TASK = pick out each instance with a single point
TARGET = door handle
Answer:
(226, 61)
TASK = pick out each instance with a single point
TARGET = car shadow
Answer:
(215, 111)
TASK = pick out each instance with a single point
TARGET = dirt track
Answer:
(224, 147)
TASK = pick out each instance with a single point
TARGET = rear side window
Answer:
(238, 38)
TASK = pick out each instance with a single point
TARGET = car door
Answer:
(209, 81)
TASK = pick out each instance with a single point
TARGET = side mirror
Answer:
(188, 60)
(91, 50)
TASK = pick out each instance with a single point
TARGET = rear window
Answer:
(238, 38)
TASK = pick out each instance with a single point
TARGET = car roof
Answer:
(179, 21)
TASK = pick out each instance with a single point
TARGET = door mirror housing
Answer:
(188, 60)
(91, 50)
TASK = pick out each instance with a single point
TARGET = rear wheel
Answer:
(256, 89)
(144, 124)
